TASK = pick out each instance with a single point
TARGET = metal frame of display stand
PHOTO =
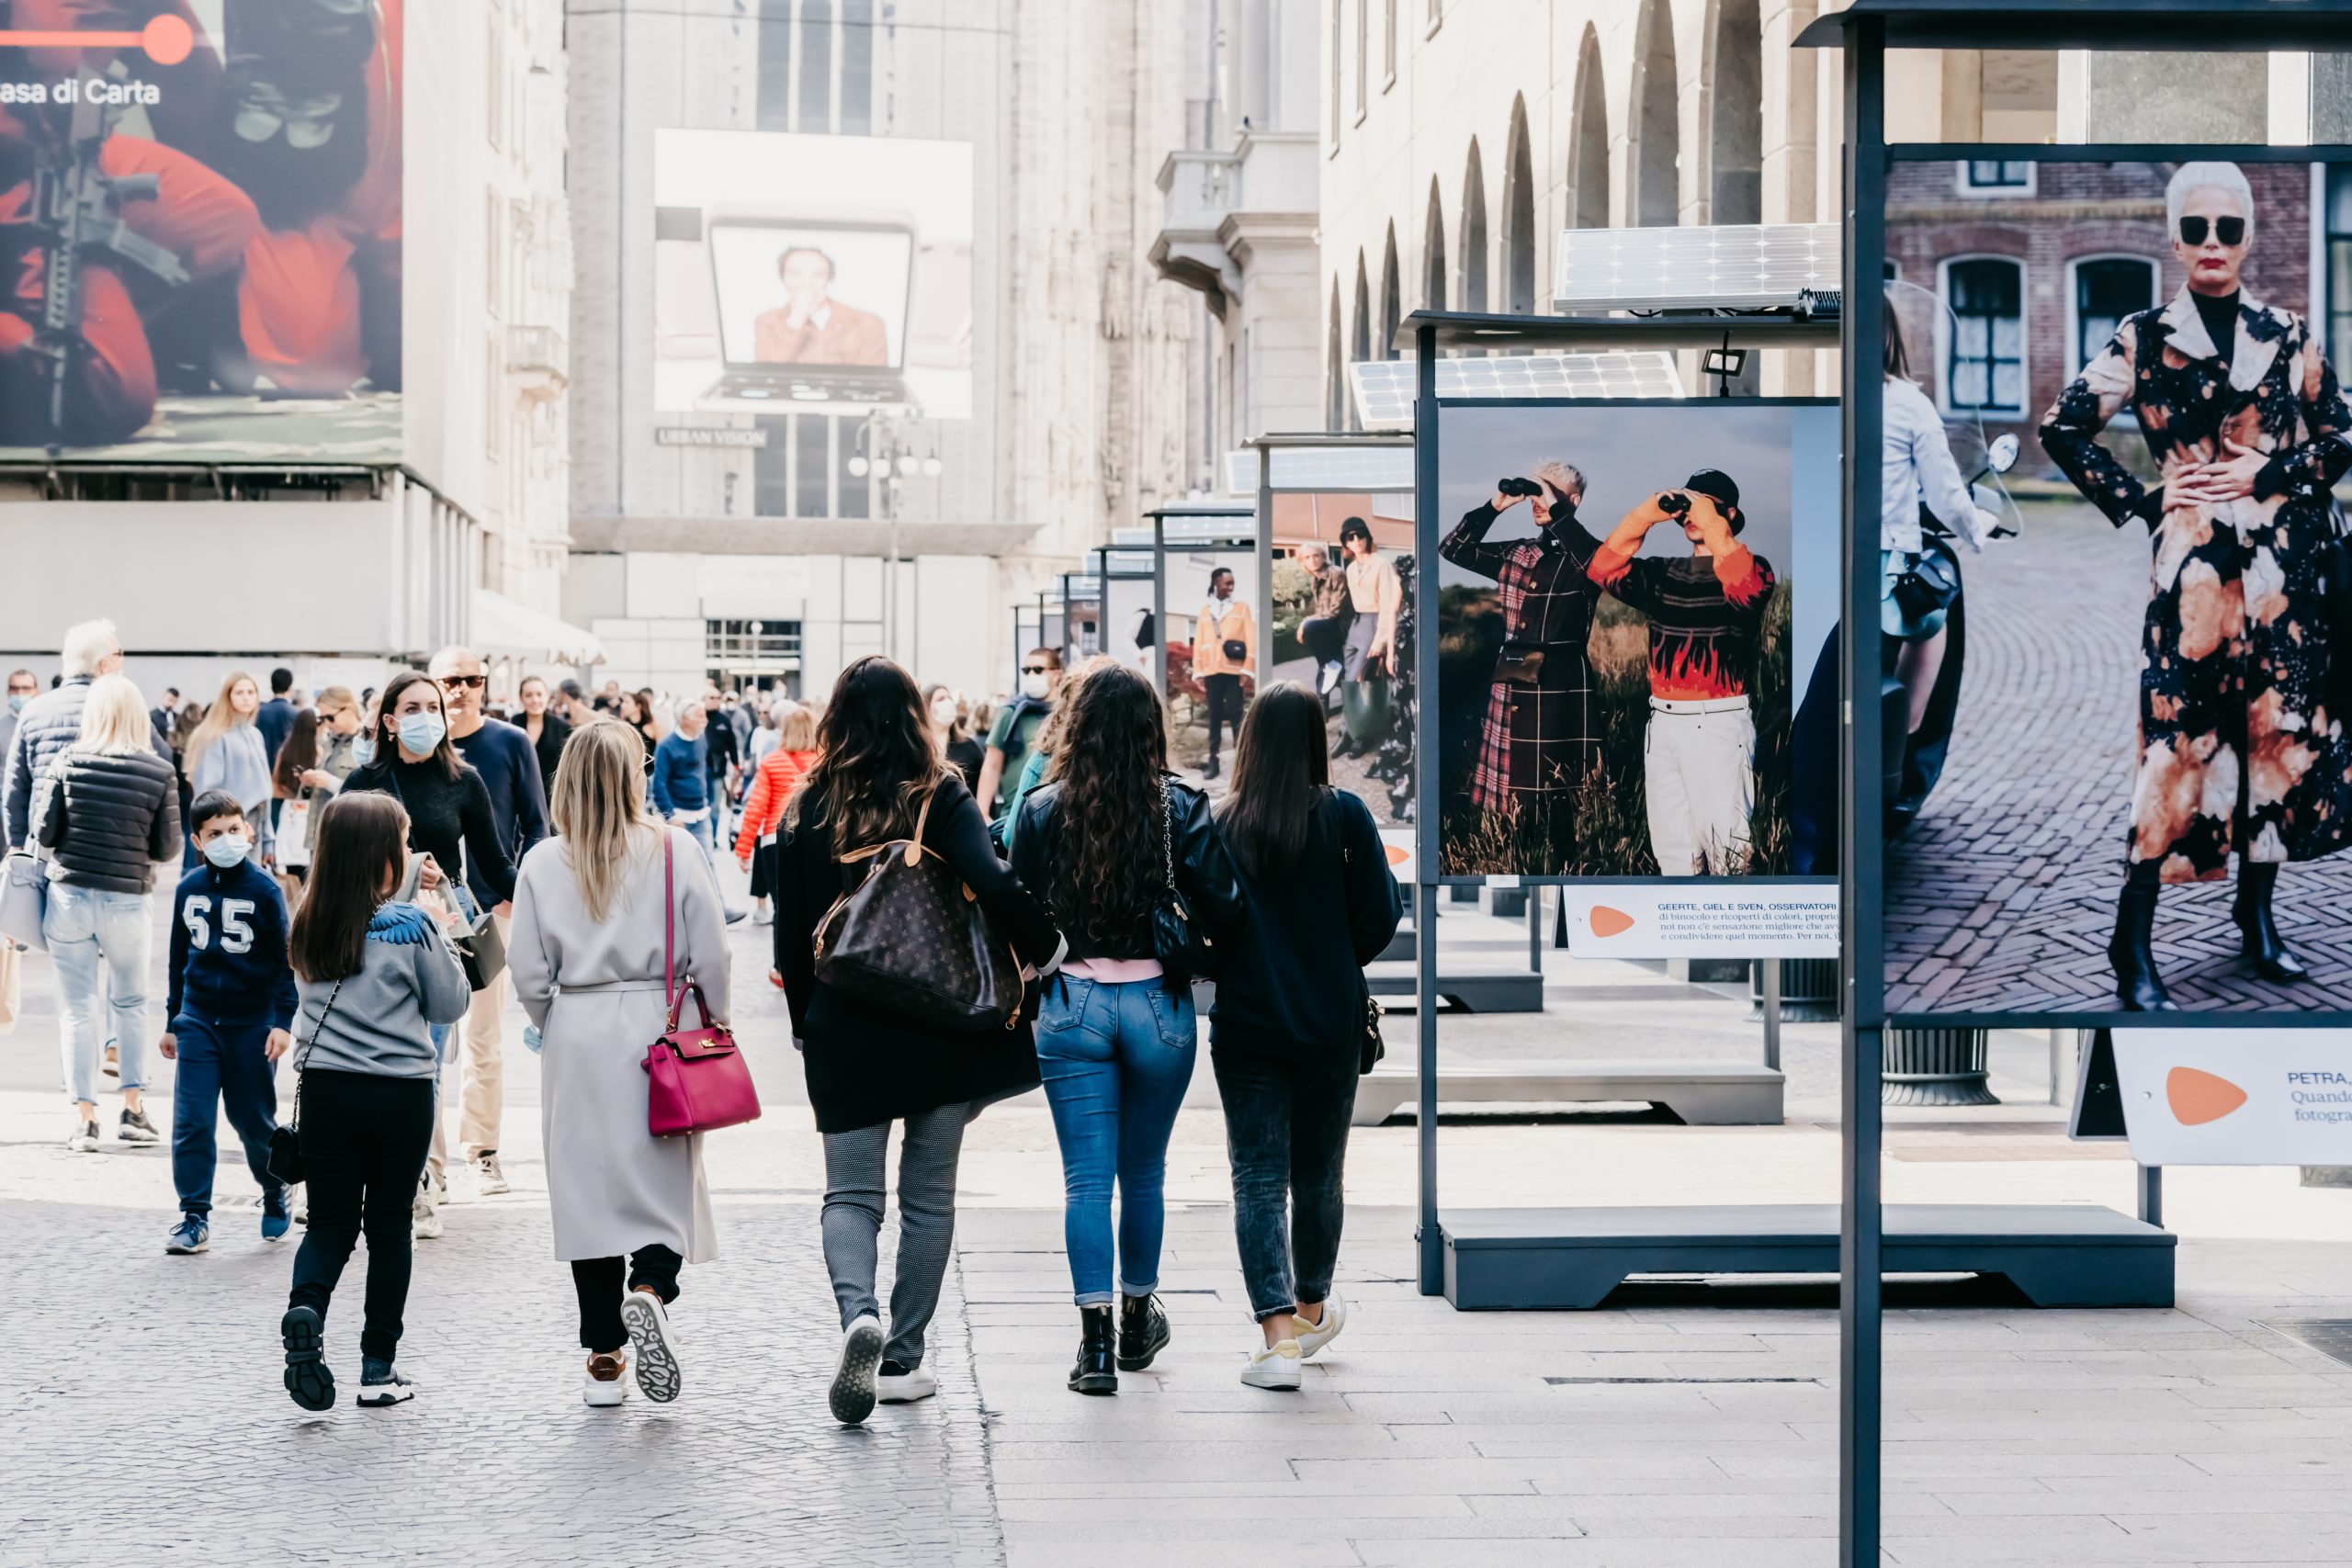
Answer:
(1233, 539)
(1568, 1258)
(1069, 591)
(1865, 32)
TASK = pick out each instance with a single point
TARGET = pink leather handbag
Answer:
(699, 1081)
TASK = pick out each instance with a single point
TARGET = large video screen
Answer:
(1621, 589)
(203, 212)
(1341, 614)
(808, 273)
(2119, 776)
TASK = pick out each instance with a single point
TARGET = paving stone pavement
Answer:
(2001, 898)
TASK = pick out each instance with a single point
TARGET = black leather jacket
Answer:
(1204, 873)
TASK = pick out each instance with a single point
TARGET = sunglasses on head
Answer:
(2228, 230)
(464, 679)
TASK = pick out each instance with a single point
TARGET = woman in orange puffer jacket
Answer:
(779, 774)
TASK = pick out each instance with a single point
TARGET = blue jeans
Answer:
(85, 927)
(223, 1063)
(1116, 1060)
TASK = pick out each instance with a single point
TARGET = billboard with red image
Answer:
(201, 210)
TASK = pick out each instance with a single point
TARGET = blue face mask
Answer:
(226, 849)
(363, 750)
(421, 732)
(16, 701)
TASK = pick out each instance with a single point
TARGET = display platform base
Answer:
(1472, 988)
(1569, 1259)
(1704, 1094)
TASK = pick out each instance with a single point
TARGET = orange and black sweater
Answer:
(1706, 613)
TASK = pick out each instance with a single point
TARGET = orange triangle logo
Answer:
(1607, 921)
(2197, 1098)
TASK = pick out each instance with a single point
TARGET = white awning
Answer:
(504, 629)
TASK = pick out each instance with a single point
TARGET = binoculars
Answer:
(1674, 503)
(1518, 487)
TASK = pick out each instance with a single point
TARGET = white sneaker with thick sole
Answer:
(606, 1382)
(852, 1398)
(1274, 1367)
(490, 1177)
(424, 1219)
(1313, 1337)
(657, 1352)
(904, 1388)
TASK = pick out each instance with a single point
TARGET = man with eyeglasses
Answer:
(502, 753)
(1016, 731)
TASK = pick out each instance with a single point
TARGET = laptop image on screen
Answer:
(811, 310)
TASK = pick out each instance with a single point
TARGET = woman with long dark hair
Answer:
(374, 976)
(1115, 1034)
(1290, 1030)
(877, 768)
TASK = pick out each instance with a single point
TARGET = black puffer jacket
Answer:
(111, 819)
(1204, 873)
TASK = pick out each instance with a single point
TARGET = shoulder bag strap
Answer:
(1167, 832)
(303, 1067)
(914, 845)
(669, 924)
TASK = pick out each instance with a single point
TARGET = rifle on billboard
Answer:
(77, 210)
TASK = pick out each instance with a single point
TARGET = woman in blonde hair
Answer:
(592, 906)
(112, 811)
(228, 753)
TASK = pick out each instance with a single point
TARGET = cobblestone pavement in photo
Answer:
(2001, 898)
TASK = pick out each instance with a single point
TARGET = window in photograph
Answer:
(2339, 261)
(1989, 176)
(2106, 290)
(1984, 358)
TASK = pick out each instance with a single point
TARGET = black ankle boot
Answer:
(1143, 1332)
(2263, 943)
(1097, 1370)
(2137, 985)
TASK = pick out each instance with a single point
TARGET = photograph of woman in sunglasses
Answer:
(2242, 749)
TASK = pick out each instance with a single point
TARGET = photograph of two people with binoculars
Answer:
(1617, 614)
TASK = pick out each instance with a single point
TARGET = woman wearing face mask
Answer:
(449, 806)
(546, 727)
(2250, 431)
(964, 753)
(227, 752)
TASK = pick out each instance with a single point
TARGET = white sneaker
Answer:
(490, 1178)
(606, 1382)
(852, 1391)
(657, 1352)
(763, 915)
(1274, 1367)
(85, 1140)
(1313, 1337)
(892, 1387)
(425, 1218)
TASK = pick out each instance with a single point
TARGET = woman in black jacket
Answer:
(868, 1066)
(546, 727)
(112, 811)
(1101, 838)
(449, 815)
(1288, 1034)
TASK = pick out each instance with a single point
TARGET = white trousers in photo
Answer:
(1698, 767)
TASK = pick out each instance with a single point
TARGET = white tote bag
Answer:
(24, 897)
(294, 831)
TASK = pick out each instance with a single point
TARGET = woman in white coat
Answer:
(586, 955)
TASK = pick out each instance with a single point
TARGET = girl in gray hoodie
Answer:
(373, 975)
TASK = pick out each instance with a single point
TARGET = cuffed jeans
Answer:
(86, 928)
(598, 1283)
(1116, 1060)
(223, 1064)
(1287, 1130)
(853, 1221)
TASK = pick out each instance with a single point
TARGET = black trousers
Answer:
(598, 1282)
(1324, 636)
(1286, 1119)
(364, 1142)
(1225, 704)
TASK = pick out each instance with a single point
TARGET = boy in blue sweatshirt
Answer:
(232, 1001)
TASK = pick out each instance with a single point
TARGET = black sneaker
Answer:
(380, 1383)
(308, 1378)
(1143, 1332)
(137, 1129)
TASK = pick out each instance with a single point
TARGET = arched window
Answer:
(1363, 334)
(2106, 290)
(1392, 301)
(1657, 127)
(1736, 114)
(1433, 253)
(1984, 339)
(1334, 380)
(1473, 232)
(1588, 140)
(1518, 216)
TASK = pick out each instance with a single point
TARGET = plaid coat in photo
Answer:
(1546, 735)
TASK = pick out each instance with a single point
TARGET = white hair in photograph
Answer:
(2194, 178)
(1567, 477)
(88, 646)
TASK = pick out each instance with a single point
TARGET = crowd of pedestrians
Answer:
(955, 920)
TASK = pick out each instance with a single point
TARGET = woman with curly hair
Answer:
(1102, 840)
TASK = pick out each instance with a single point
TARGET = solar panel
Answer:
(1733, 265)
(1343, 468)
(1385, 389)
(1131, 537)
(1241, 473)
(1081, 587)
(1127, 563)
(1207, 529)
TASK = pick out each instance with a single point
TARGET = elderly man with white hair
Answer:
(50, 723)
(1542, 729)
(2243, 750)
